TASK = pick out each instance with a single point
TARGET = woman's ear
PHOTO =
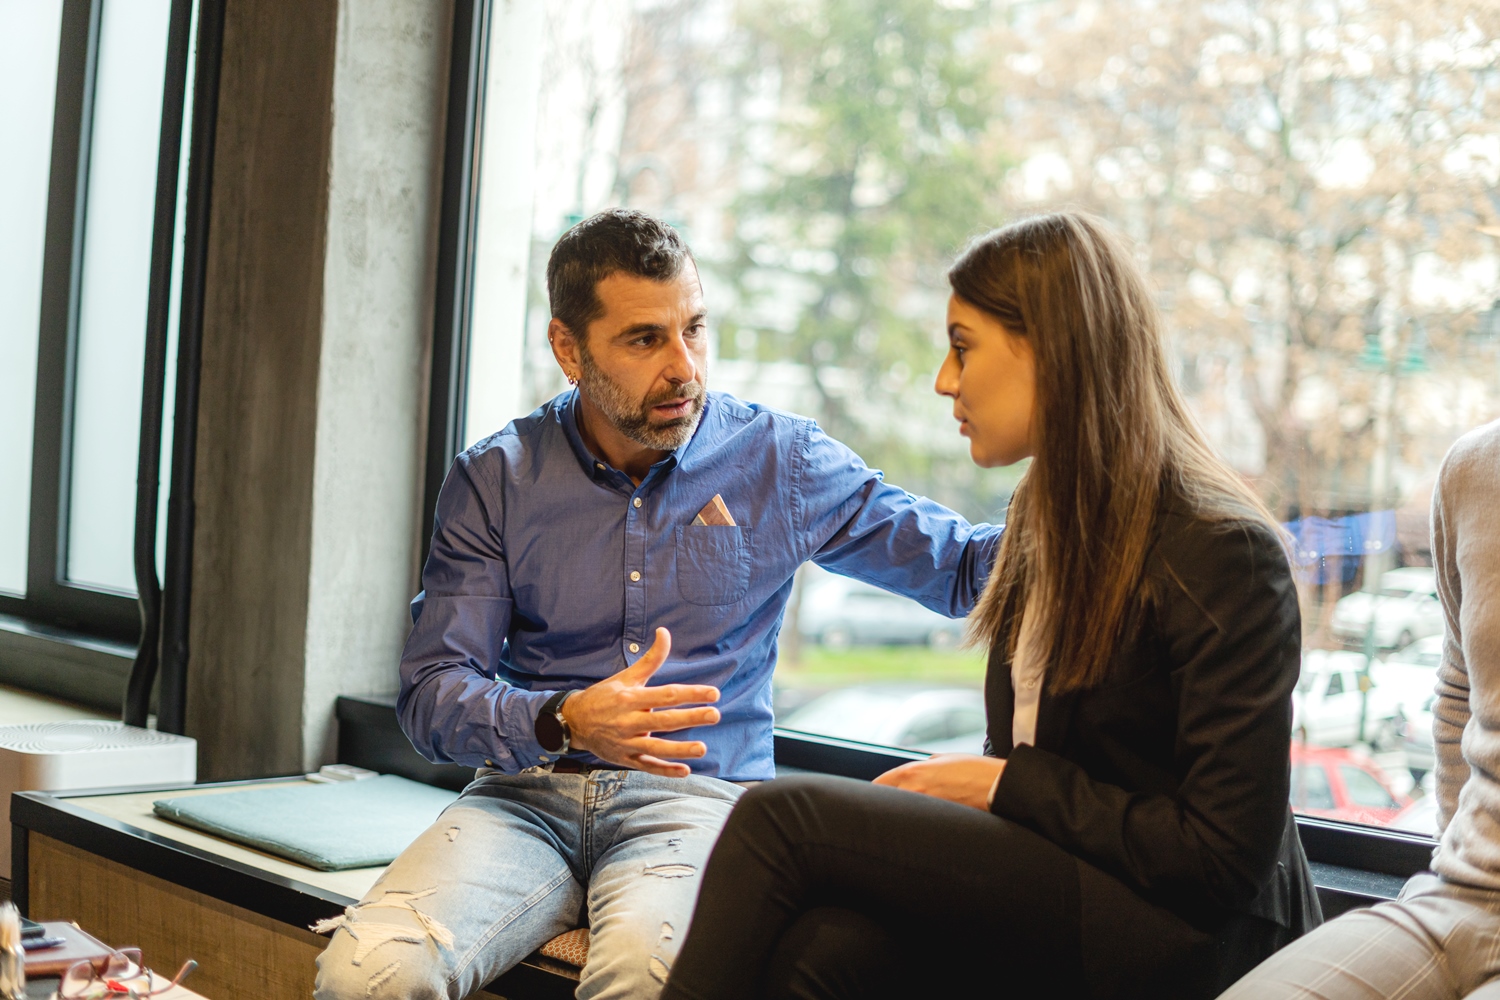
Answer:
(1031, 368)
(1025, 353)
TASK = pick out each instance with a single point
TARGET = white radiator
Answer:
(61, 756)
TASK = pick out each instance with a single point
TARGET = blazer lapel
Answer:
(1053, 714)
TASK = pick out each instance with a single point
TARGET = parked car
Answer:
(1409, 679)
(1410, 675)
(1416, 738)
(914, 716)
(1331, 698)
(1404, 608)
(1426, 652)
(1342, 784)
(839, 612)
(1419, 817)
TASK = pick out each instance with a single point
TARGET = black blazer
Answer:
(1173, 776)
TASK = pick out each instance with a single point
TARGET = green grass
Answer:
(821, 667)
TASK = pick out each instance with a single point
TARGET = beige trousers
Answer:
(1437, 941)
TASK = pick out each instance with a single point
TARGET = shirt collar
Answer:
(701, 433)
(595, 467)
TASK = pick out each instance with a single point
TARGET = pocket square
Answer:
(715, 513)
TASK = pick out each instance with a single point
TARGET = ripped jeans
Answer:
(517, 860)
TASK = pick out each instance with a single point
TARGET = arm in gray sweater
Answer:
(1466, 712)
(1450, 709)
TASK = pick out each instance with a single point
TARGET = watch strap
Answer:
(551, 728)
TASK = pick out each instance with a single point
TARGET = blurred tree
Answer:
(1309, 184)
(875, 166)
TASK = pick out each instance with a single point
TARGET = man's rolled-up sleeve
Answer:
(451, 705)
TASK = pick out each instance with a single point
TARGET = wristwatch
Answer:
(551, 728)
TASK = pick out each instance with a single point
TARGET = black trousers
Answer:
(827, 887)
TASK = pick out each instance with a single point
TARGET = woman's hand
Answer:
(965, 778)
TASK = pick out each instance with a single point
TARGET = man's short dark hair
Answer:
(620, 240)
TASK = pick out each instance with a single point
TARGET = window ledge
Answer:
(1351, 866)
(82, 669)
(1399, 853)
(1341, 888)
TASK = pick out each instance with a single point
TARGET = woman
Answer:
(1127, 832)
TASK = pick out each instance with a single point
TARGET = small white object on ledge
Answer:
(330, 773)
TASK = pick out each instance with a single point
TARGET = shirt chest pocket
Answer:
(713, 564)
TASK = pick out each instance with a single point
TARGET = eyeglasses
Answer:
(123, 978)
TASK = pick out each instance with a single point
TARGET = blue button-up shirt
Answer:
(550, 570)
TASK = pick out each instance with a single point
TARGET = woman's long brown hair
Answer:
(1113, 439)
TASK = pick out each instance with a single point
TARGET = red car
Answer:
(1342, 784)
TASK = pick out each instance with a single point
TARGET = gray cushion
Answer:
(347, 824)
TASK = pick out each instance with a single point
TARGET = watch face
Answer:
(549, 732)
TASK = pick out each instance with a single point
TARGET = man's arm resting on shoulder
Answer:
(863, 527)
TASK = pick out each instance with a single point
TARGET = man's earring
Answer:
(572, 379)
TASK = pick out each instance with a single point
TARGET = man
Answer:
(1440, 940)
(636, 517)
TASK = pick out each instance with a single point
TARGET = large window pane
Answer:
(28, 78)
(1319, 216)
(683, 109)
(112, 302)
(1313, 192)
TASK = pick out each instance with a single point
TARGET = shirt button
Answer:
(599, 466)
(635, 576)
(635, 647)
(489, 763)
(637, 501)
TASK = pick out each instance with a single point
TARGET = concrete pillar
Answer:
(317, 328)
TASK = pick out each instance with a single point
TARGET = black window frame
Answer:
(447, 399)
(72, 640)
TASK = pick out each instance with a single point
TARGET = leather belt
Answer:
(568, 765)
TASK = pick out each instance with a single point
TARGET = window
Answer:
(683, 109)
(77, 198)
(111, 310)
(1320, 218)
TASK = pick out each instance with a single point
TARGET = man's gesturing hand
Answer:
(614, 719)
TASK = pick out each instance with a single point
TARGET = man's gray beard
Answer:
(633, 418)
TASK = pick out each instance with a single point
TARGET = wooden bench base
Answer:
(179, 894)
